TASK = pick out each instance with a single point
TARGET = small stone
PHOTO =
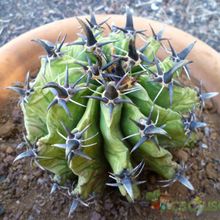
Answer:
(18, 215)
(217, 186)
(203, 146)
(9, 150)
(2, 210)
(200, 176)
(30, 217)
(37, 173)
(114, 212)
(8, 159)
(195, 166)
(17, 116)
(181, 155)
(202, 163)
(208, 105)
(3, 147)
(2, 178)
(214, 136)
(6, 129)
(154, 7)
(96, 216)
(41, 181)
(108, 205)
(36, 210)
(211, 172)
(207, 131)
(25, 178)
(122, 211)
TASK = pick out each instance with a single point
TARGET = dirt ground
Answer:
(25, 190)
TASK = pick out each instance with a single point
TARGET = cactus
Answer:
(100, 110)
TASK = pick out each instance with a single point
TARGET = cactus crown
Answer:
(100, 98)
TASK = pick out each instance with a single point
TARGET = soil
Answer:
(25, 190)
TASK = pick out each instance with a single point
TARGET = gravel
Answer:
(198, 17)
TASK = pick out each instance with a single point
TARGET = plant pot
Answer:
(22, 55)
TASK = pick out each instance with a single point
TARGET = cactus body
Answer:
(100, 105)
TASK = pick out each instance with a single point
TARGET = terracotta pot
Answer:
(21, 55)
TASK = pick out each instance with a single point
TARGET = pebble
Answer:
(17, 116)
(2, 210)
(214, 136)
(200, 175)
(181, 155)
(18, 214)
(36, 210)
(96, 216)
(211, 172)
(9, 150)
(40, 200)
(41, 181)
(3, 147)
(25, 178)
(203, 146)
(114, 212)
(9, 159)
(6, 129)
(2, 178)
(207, 131)
(217, 186)
(108, 205)
(30, 217)
(202, 163)
(154, 7)
(122, 211)
(38, 173)
(195, 166)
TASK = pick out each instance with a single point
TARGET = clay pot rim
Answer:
(21, 55)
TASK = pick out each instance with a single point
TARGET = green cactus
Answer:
(101, 105)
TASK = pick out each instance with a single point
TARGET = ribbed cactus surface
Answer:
(101, 110)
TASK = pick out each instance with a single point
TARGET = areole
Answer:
(22, 55)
